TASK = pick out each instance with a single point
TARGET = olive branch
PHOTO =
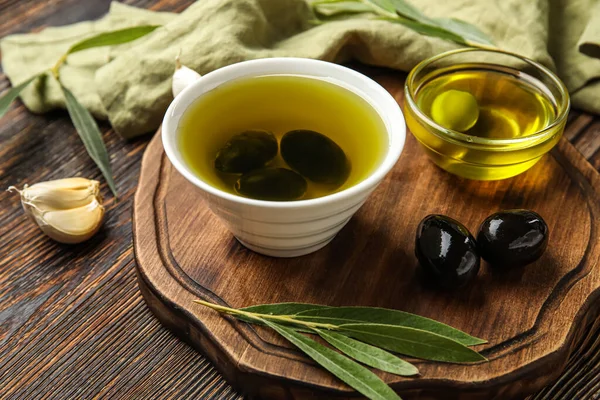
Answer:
(82, 119)
(363, 337)
(404, 13)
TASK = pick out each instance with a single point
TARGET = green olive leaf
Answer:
(427, 30)
(254, 321)
(367, 354)
(386, 5)
(384, 316)
(467, 32)
(284, 319)
(90, 136)
(404, 13)
(13, 93)
(350, 372)
(113, 38)
(330, 9)
(407, 10)
(459, 32)
(412, 342)
(470, 33)
(282, 308)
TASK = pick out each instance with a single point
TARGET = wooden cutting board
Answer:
(531, 317)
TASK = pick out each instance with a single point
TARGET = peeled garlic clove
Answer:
(67, 210)
(182, 77)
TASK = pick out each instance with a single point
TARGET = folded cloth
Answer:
(130, 84)
(589, 42)
(25, 55)
(587, 96)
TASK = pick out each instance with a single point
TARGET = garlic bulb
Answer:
(182, 77)
(67, 210)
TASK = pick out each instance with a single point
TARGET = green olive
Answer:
(246, 151)
(456, 110)
(276, 184)
(315, 156)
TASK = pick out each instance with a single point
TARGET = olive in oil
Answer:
(499, 114)
(280, 104)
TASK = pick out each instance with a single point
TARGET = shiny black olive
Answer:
(512, 238)
(276, 184)
(446, 251)
(315, 156)
(246, 151)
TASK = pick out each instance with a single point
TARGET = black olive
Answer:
(277, 184)
(512, 238)
(315, 156)
(446, 251)
(246, 151)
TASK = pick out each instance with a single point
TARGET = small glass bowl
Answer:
(476, 157)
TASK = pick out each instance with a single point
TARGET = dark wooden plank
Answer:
(578, 125)
(589, 143)
(71, 318)
(29, 15)
(595, 159)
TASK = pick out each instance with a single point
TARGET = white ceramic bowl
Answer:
(294, 228)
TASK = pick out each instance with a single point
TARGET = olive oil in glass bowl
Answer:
(485, 114)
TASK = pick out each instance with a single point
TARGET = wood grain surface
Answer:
(73, 324)
(530, 317)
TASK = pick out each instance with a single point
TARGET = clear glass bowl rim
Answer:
(469, 140)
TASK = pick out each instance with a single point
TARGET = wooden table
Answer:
(72, 321)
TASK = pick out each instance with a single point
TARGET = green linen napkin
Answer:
(25, 55)
(131, 84)
(589, 43)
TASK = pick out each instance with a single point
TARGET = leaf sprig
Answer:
(82, 119)
(402, 12)
(365, 334)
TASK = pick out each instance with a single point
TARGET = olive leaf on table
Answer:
(368, 335)
(82, 119)
(402, 12)
(13, 94)
(90, 135)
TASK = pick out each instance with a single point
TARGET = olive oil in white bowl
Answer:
(286, 228)
(279, 104)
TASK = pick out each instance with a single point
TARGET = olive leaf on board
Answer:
(402, 12)
(350, 372)
(82, 119)
(367, 354)
(364, 334)
(384, 316)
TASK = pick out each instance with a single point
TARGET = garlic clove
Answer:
(67, 210)
(72, 226)
(65, 183)
(182, 77)
(61, 194)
